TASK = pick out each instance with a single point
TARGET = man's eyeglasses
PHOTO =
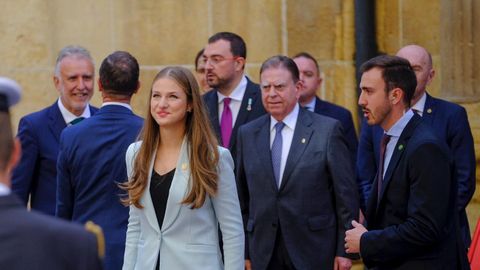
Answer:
(216, 60)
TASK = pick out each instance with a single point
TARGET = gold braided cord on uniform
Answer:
(97, 231)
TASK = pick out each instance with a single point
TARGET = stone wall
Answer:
(170, 32)
(449, 30)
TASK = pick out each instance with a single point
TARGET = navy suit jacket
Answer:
(345, 117)
(91, 164)
(246, 114)
(36, 174)
(449, 122)
(316, 201)
(413, 224)
(34, 241)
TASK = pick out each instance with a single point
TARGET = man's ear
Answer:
(138, 87)
(15, 156)
(240, 63)
(56, 82)
(396, 95)
(100, 86)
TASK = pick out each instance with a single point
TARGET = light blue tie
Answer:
(277, 151)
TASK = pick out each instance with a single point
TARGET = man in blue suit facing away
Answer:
(311, 79)
(448, 121)
(91, 159)
(30, 240)
(39, 133)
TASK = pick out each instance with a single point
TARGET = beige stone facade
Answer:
(170, 32)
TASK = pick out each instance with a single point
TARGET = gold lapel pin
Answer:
(184, 166)
(429, 110)
(303, 140)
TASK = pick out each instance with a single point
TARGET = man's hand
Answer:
(342, 263)
(352, 237)
(248, 265)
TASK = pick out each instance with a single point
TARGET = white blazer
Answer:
(188, 238)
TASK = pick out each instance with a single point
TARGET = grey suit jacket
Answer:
(316, 201)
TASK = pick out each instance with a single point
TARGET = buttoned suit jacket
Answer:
(36, 174)
(91, 164)
(316, 201)
(247, 113)
(188, 238)
(345, 117)
(34, 241)
(449, 122)
(413, 224)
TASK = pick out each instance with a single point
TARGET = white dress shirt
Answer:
(68, 116)
(290, 122)
(311, 105)
(4, 189)
(126, 105)
(420, 105)
(394, 132)
(236, 100)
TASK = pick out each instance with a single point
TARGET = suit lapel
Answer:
(398, 151)
(212, 105)
(300, 140)
(179, 187)
(249, 98)
(262, 142)
(56, 123)
(146, 200)
(429, 110)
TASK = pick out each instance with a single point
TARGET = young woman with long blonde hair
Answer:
(181, 185)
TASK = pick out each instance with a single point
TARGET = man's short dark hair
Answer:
(237, 45)
(119, 74)
(308, 56)
(199, 54)
(396, 73)
(282, 61)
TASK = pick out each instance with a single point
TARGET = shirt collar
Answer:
(68, 116)
(290, 120)
(311, 105)
(237, 93)
(420, 105)
(117, 103)
(397, 129)
(4, 189)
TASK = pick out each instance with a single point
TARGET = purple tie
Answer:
(226, 122)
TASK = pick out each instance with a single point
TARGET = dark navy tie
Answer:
(76, 120)
(277, 151)
(383, 147)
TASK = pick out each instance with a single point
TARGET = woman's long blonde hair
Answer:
(202, 150)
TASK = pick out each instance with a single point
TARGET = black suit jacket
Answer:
(247, 113)
(449, 122)
(317, 199)
(413, 224)
(33, 241)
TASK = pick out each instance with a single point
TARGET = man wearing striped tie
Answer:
(295, 180)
